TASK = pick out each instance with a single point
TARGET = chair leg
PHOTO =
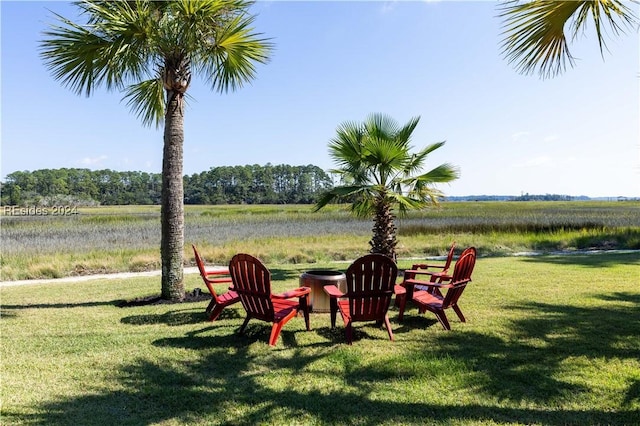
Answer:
(402, 303)
(348, 332)
(211, 306)
(244, 324)
(459, 312)
(388, 324)
(215, 312)
(275, 332)
(333, 307)
(304, 306)
(442, 317)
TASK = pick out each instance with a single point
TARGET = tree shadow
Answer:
(603, 260)
(179, 317)
(224, 383)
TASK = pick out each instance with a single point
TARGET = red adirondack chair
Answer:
(434, 271)
(211, 277)
(442, 269)
(252, 282)
(370, 286)
(433, 299)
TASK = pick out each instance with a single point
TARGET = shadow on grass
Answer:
(230, 381)
(590, 260)
(179, 317)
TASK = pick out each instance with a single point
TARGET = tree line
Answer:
(249, 184)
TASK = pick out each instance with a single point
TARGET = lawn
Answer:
(549, 340)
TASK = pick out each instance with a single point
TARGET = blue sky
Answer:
(576, 134)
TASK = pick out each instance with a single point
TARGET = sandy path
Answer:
(84, 278)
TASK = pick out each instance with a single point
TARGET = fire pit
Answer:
(317, 280)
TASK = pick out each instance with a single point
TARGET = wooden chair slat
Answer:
(218, 302)
(370, 284)
(252, 281)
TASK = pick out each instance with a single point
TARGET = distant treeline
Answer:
(250, 184)
(525, 197)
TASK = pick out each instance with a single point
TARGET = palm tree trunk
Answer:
(384, 230)
(172, 211)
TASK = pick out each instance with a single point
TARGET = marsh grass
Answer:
(550, 340)
(127, 238)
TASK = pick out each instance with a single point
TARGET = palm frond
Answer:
(606, 11)
(534, 32)
(336, 194)
(416, 162)
(229, 60)
(380, 126)
(534, 35)
(404, 134)
(110, 50)
(363, 207)
(444, 173)
(146, 100)
(406, 203)
(72, 53)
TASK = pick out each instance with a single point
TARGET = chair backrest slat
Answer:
(203, 272)
(461, 276)
(370, 282)
(447, 263)
(252, 282)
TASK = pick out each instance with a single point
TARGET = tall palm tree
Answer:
(378, 173)
(534, 31)
(149, 50)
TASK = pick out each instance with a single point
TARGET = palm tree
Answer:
(534, 31)
(378, 170)
(149, 50)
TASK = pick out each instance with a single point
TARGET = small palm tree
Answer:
(150, 49)
(535, 30)
(378, 173)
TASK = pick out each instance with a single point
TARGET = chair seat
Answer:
(425, 298)
(229, 297)
(283, 308)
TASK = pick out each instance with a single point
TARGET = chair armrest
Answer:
(426, 266)
(425, 272)
(419, 271)
(333, 291)
(296, 292)
(221, 271)
(428, 284)
(219, 280)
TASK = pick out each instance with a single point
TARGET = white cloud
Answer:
(388, 6)
(91, 161)
(551, 138)
(520, 136)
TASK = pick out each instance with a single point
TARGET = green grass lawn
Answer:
(549, 341)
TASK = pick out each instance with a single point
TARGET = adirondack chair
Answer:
(252, 282)
(442, 268)
(370, 286)
(437, 302)
(434, 271)
(211, 277)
